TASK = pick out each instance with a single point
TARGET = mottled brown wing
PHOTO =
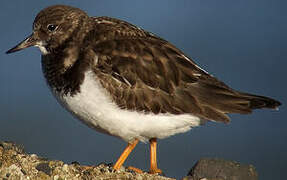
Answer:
(146, 73)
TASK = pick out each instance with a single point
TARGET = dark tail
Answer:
(258, 102)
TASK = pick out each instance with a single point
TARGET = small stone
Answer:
(33, 156)
(65, 167)
(56, 177)
(44, 167)
(75, 163)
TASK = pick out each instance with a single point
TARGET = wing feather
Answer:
(145, 73)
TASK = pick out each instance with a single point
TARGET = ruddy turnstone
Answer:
(126, 82)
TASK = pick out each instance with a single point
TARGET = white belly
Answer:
(94, 107)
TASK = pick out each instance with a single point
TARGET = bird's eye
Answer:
(51, 27)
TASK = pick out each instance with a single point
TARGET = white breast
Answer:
(94, 106)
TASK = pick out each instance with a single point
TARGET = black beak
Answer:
(29, 41)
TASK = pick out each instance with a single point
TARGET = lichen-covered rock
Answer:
(16, 164)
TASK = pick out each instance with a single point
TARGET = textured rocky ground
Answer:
(16, 164)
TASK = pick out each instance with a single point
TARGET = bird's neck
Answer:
(64, 70)
(64, 65)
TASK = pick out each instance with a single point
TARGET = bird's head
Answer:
(55, 27)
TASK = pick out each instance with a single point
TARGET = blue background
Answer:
(243, 43)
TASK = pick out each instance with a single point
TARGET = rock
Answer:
(220, 169)
(16, 164)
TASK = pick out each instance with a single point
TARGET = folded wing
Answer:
(145, 73)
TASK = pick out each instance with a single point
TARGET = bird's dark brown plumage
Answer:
(141, 71)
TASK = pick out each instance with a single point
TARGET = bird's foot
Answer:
(155, 171)
(137, 170)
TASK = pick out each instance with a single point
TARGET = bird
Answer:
(124, 81)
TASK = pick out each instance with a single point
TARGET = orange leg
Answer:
(135, 169)
(125, 154)
(153, 161)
